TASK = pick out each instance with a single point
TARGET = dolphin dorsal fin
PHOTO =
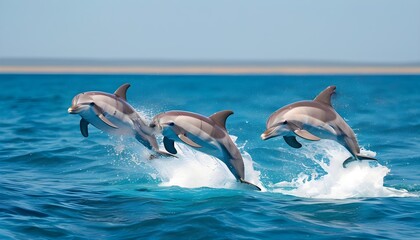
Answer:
(220, 118)
(122, 91)
(325, 96)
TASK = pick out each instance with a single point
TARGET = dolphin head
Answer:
(280, 128)
(80, 103)
(162, 122)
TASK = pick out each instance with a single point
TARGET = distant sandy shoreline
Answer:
(211, 70)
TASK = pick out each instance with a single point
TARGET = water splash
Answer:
(192, 169)
(326, 179)
(359, 179)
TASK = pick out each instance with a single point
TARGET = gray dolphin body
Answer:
(112, 114)
(206, 134)
(313, 120)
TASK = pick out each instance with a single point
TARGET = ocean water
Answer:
(56, 184)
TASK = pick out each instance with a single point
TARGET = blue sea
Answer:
(56, 184)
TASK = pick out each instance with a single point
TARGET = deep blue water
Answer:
(57, 184)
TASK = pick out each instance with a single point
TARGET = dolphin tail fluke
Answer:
(360, 157)
(364, 157)
(251, 184)
(348, 160)
(161, 154)
(166, 154)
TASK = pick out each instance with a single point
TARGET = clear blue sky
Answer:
(356, 31)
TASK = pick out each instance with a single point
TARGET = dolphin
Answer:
(112, 114)
(313, 120)
(205, 134)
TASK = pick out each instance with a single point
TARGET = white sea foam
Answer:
(359, 179)
(193, 169)
(328, 179)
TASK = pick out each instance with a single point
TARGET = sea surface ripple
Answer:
(56, 184)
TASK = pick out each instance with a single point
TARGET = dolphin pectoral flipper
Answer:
(84, 127)
(169, 145)
(306, 135)
(246, 182)
(151, 143)
(291, 140)
(105, 120)
(100, 114)
(188, 141)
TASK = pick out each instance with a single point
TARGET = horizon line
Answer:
(213, 70)
(49, 62)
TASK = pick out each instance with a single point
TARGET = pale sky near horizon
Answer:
(380, 31)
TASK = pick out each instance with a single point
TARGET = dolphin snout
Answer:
(155, 126)
(269, 133)
(72, 110)
(76, 109)
(263, 136)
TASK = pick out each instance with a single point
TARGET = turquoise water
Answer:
(57, 184)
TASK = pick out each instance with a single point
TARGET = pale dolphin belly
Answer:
(208, 146)
(125, 127)
(328, 132)
(314, 125)
(216, 148)
(321, 132)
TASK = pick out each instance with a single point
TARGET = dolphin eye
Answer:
(171, 124)
(284, 123)
(91, 104)
(152, 125)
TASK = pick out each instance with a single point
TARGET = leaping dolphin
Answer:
(112, 114)
(313, 120)
(205, 134)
